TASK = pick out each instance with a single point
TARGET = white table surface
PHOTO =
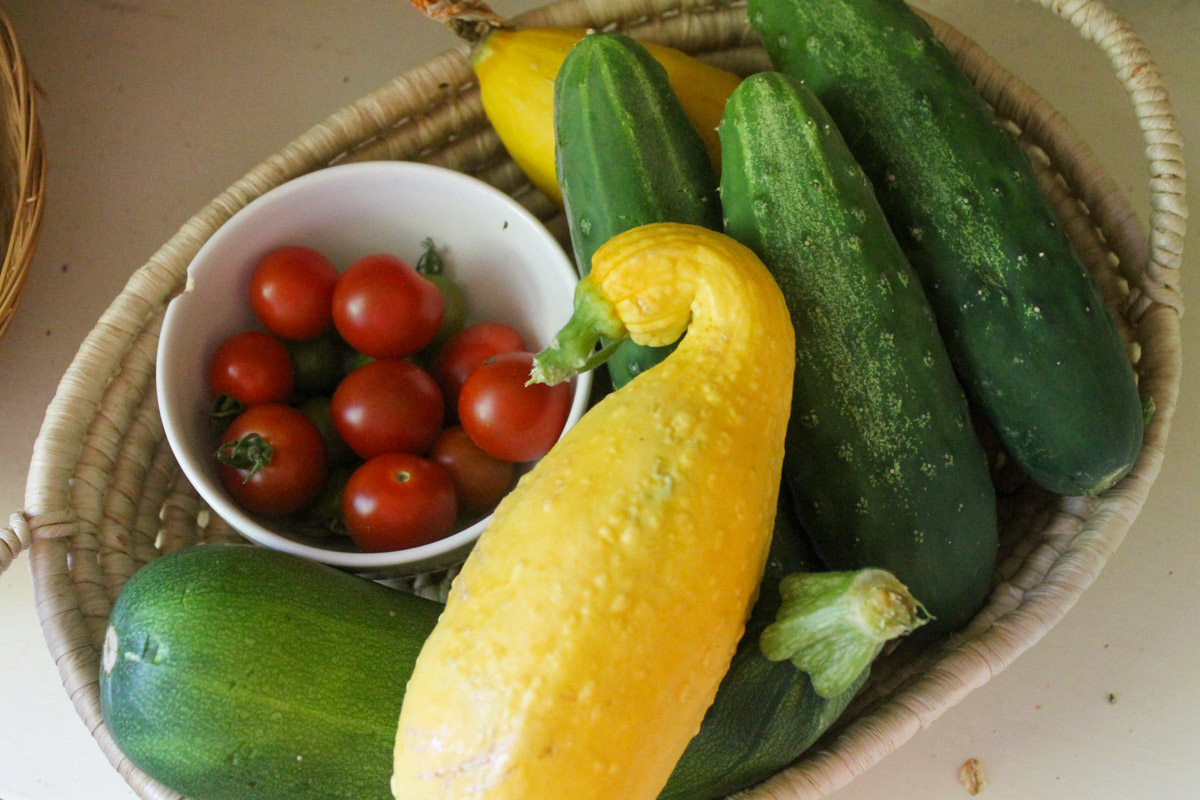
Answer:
(152, 107)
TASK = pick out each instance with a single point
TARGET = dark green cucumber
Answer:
(881, 456)
(766, 713)
(626, 155)
(238, 672)
(1025, 324)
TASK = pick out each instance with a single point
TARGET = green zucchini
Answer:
(233, 672)
(766, 713)
(1026, 326)
(626, 154)
(237, 672)
(881, 455)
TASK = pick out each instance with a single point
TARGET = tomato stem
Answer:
(226, 406)
(251, 452)
(430, 262)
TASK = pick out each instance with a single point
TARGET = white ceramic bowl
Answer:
(512, 270)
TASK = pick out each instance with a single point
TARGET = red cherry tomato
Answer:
(387, 406)
(508, 419)
(466, 350)
(252, 367)
(272, 460)
(398, 500)
(480, 480)
(291, 291)
(383, 308)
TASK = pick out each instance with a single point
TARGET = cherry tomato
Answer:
(291, 290)
(454, 300)
(318, 363)
(398, 500)
(383, 308)
(272, 460)
(388, 405)
(480, 480)
(454, 308)
(323, 517)
(466, 350)
(508, 419)
(319, 409)
(252, 367)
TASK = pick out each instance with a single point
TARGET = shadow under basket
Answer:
(105, 496)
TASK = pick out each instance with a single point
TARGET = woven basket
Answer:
(105, 496)
(22, 172)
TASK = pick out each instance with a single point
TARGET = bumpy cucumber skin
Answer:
(766, 713)
(882, 459)
(244, 672)
(1026, 326)
(626, 155)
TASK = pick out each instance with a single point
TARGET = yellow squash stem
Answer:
(591, 625)
(516, 68)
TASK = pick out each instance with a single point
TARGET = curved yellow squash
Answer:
(516, 71)
(589, 628)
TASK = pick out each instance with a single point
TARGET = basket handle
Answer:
(1140, 77)
(13, 540)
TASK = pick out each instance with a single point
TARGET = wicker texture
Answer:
(105, 496)
(22, 173)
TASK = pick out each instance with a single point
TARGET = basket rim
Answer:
(50, 519)
(21, 112)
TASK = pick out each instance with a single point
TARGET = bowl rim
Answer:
(427, 557)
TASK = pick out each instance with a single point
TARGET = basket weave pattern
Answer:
(22, 172)
(105, 496)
